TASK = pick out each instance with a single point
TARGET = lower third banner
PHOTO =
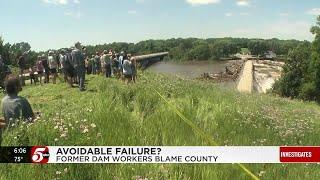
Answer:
(171, 154)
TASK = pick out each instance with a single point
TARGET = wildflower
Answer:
(56, 139)
(85, 131)
(58, 172)
(93, 125)
(65, 170)
(63, 135)
(77, 122)
(56, 127)
(70, 125)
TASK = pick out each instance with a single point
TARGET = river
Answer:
(191, 69)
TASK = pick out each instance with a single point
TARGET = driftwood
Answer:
(231, 73)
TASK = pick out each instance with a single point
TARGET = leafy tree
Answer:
(294, 71)
(301, 75)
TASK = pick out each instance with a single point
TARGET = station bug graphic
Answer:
(40, 154)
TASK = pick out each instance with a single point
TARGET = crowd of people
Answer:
(73, 64)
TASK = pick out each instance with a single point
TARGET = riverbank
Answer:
(113, 113)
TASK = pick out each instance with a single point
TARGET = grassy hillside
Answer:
(113, 113)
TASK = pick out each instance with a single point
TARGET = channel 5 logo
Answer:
(40, 154)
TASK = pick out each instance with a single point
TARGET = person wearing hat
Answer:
(79, 65)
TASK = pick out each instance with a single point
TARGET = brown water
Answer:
(191, 69)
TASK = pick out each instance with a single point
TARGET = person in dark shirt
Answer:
(46, 68)
(79, 65)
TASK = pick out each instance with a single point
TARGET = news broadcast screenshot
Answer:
(159, 89)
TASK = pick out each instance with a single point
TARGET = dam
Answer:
(259, 75)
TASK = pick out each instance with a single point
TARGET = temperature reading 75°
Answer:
(18, 159)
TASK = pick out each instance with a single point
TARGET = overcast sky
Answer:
(59, 23)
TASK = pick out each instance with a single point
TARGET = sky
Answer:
(52, 24)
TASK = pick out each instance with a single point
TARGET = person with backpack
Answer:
(68, 69)
(115, 66)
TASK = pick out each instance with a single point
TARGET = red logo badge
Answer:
(40, 154)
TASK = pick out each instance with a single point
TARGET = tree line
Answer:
(202, 49)
(179, 49)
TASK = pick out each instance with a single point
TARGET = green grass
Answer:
(135, 115)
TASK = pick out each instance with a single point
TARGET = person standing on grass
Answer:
(115, 66)
(68, 69)
(105, 60)
(87, 64)
(103, 64)
(134, 69)
(53, 65)
(94, 68)
(40, 68)
(89, 70)
(97, 63)
(22, 66)
(79, 65)
(63, 59)
(32, 76)
(14, 107)
(72, 63)
(46, 69)
(127, 69)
